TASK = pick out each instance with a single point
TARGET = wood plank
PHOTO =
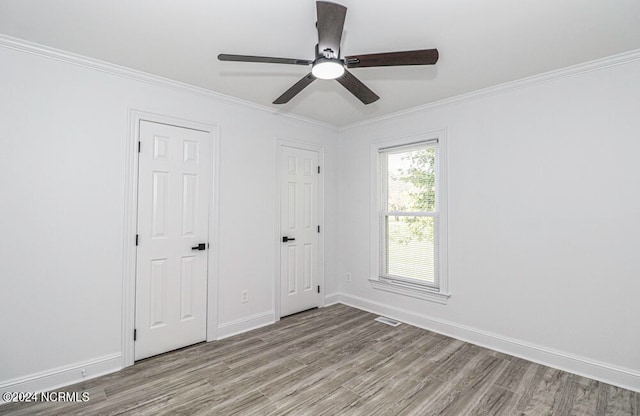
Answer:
(390, 397)
(338, 402)
(517, 375)
(543, 395)
(451, 366)
(620, 402)
(474, 381)
(496, 402)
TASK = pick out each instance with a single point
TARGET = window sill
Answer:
(410, 290)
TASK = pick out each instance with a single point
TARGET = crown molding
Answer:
(591, 66)
(22, 45)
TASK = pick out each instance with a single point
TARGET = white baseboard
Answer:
(332, 299)
(239, 326)
(586, 367)
(63, 376)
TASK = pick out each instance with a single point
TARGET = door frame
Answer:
(277, 193)
(131, 219)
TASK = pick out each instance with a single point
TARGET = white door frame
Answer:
(277, 193)
(130, 227)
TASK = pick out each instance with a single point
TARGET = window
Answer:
(410, 220)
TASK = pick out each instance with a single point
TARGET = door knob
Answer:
(201, 246)
(285, 239)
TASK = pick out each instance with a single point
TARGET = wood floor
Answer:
(339, 361)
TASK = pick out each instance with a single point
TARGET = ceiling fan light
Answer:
(327, 68)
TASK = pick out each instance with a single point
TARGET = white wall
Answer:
(543, 216)
(544, 221)
(63, 129)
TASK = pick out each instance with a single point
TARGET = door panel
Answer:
(299, 221)
(173, 207)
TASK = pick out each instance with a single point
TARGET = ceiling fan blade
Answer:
(357, 88)
(263, 59)
(330, 24)
(419, 57)
(295, 89)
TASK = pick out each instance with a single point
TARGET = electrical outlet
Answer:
(348, 277)
(245, 296)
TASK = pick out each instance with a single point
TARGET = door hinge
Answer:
(318, 228)
(139, 145)
(136, 239)
(318, 288)
(135, 334)
(318, 169)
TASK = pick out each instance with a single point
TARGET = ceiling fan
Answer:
(329, 65)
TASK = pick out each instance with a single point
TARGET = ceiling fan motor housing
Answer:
(325, 68)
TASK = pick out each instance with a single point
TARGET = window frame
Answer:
(439, 290)
(384, 213)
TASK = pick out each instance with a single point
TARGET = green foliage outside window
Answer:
(417, 171)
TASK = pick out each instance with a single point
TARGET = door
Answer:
(173, 223)
(299, 267)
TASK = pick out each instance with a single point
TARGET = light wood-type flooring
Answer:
(339, 361)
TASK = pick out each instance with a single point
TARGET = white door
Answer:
(299, 231)
(173, 224)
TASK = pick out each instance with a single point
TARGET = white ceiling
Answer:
(481, 43)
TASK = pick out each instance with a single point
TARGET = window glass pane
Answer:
(411, 248)
(411, 184)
